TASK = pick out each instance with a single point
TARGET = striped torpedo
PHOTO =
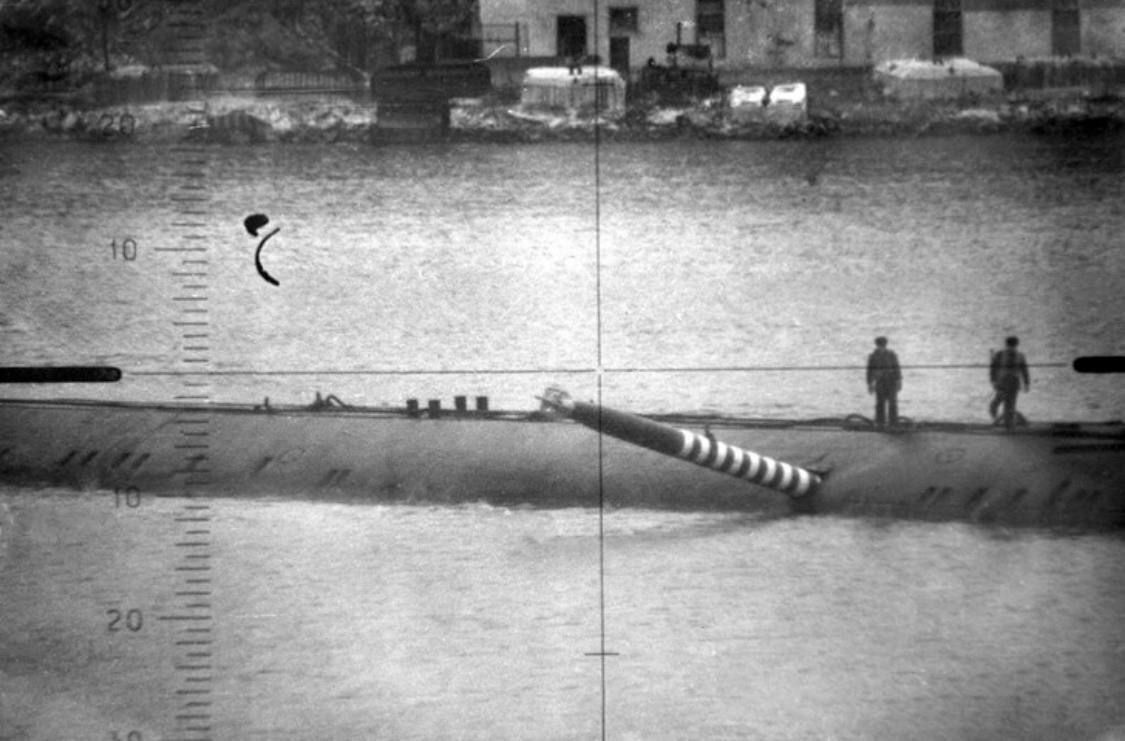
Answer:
(702, 450)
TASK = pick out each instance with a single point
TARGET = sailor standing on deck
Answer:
(884, 379)
(1008, 368)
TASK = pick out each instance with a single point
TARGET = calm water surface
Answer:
(712, 255)
(376, 621)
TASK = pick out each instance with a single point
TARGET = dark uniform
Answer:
(1008, 368)
(884, 379)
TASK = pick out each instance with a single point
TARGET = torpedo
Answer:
(700, 449)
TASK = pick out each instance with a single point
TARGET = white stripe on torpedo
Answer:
(736, 460)
(786, 476)
(704, 449)
(771, 469)
(755, 465)
(720, 456)
(685, 449)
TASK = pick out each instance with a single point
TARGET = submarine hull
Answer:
(1047, 475)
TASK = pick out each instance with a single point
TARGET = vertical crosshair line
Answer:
(598, 330)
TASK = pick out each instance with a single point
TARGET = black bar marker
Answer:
(61, 374)
(1100, 364)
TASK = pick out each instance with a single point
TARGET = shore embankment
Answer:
(713, 120)
(247, 119)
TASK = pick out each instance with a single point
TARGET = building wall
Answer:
(539, 18)
(780, 33)
(1006, 35)
(656, 28)
(1103, 28)
(775, 34)
(878, 31)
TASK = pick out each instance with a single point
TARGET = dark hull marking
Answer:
(1089, 448)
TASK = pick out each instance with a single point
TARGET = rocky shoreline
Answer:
(326, 119)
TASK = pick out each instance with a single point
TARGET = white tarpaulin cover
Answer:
(947, 78)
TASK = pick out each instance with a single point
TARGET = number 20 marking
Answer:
(132, 620)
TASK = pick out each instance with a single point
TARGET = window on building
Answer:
(829, 26)
(711, 23)
(947, 28)
(1066, 28)
(622, 20)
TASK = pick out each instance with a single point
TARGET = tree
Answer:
(53, 40)
(38, 41)
(433, 27)
(438, 25)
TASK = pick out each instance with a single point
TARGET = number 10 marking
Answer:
(128, 249)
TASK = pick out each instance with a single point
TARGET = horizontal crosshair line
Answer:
(547, 371)
(370, 372)
(775, 368)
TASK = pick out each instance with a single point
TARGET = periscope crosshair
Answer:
(253, 223)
